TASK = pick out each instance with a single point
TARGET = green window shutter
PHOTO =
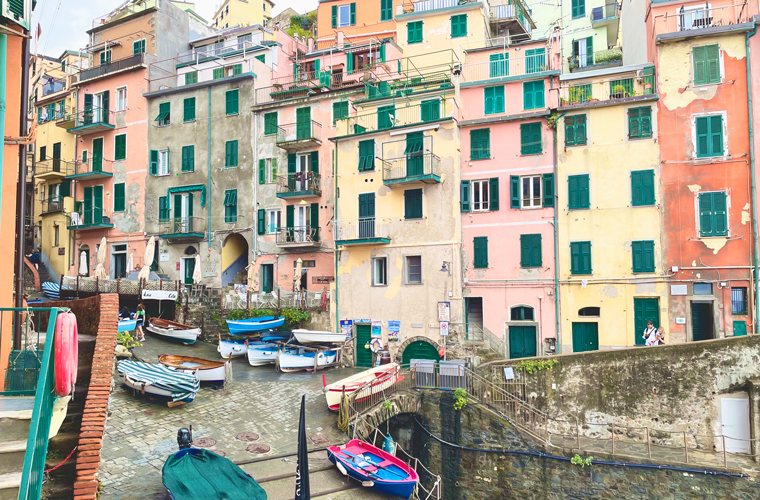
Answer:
(270, 123)
(385, 117)
(350, 63)
(87, 205)
(716, 135)
(480, 249)
(191, 77)
(315, 221)
(459, 26)
(120, 147)
(494, 97)
(525, 250)
(314, 162)
(533, 95)
(97, 204)
(712, 57)
(514, 191)
(575, 130)
(340, 111)
(230, 205)
(386, 10)
(530, 250)
(262, 171)
(642, 188)
(413, 204)
(231, 154)
(237, 69)
(698, 59)
(163, 208)
(640, 122)
(153, 162)
(464, 196)
(493, 193)
(290, 212)
(352, 9)
(366, 155)
(642, 253)
(414, 32)
(218, 73)
(709, 136)
(578, 191)
(65, 189)
(274, 169)
(430, 110)
(530, 138)
(720, 222)
(580, 257)
(119, 197)
(231, 101)
(548, 186)
(480, 144)
(261, 225)
(188, 106)
(334, 22)
(499, 65)
(188, 158)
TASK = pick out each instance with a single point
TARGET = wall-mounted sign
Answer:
(509, 373)
(159, 295)
(444, 311)
(164, 257)
(61, 250)
(418, 325)
(377, 328)
(393, 328)
(680, 321)
(679, 290)
(322, 280)
(347, 327)
(177, 265)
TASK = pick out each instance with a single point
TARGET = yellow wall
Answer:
(436, 32)
(242, 12)
(611, 224)
(233, 248)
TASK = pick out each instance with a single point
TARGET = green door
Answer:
(522, 341)
(366, 215)
(419, 350)
(363, 336)
(585, 337)
(645, 310)
(189, 270)
(87, 215)
(267, 273)
(97, 204)
(740, 328)
(97, 155)
(303, 123)
(702, 320)
(413, 152)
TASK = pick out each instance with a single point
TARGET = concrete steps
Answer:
(15, 419)
(9, 486)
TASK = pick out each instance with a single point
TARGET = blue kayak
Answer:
(127, 325)
(245, 326)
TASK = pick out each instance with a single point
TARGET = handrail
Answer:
(112, 67)
(299, 182)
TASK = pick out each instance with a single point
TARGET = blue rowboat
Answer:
(244, 326)
(374, 468)
(127, 325)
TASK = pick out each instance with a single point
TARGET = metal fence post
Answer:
(649, 444)
(613, 438)
(724, 450)
(686, 449)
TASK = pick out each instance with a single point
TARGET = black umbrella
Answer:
(302, 468)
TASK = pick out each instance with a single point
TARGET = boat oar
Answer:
(373, 464)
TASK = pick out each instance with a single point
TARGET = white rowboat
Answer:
(312, 336)
(206, 370)
(288, 362)
(369, 381)
(186, 336)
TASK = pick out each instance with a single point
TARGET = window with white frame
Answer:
(121, 99)
(530, 196)
(480, 196)
(344, 15)
(379, 271)
(163, 162)
(273, 220)
(413, 269)
(271, 169)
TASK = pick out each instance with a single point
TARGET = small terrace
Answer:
(54, 206)
(585, 61)
(362, 231)
(408, 85)
(220, 50)
(514, 15)
(301, 135)
(297, 237)
(390, 117)
(696, 17)
(183, 229)
(607, 15)
(66, 118)
(52, 168)
(92, 121)
(501, 67)
(134, 61)
(300, 184)
(410, 161)
(126, 9)
(92, 169)
(89, 219)
(53, 85)
(624, 86)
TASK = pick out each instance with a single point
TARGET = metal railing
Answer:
(297, 234)
(183, 225)
(379, 89)
(362, 228)
(608, 11)
(300, 182)
(296, 132)
(417, 6)
(630, 85)
(52, 206)
(93, 116)
(518, 66)
(92, 216)
(510, 9)
(112, 67)
(609, 57)
(53, 165)
(211, 52)
(320, 78)
(389, 117)
(73, 286)
(699, 17)
(411, 166)
(91, 166)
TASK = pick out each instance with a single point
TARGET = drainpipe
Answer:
(255, 235)
(208, 192)
(4, 58)
(752, 174)
(335, 219)
(21, 190)
(556, 235)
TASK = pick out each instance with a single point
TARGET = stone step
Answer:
(9, 486)
(12, 456)
(14, 425)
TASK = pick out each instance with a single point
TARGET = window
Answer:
(578, 94)
(413, 204)
(712, 214)
(163, 162)
(578, 8)
(231, 102)
(521, 313)
(273, 221)
(580, 257)
(533, 95)
(343, 15)
(63, 66)
(709, 133)
(643, 256)
(230, 205)
(340, 111)
(164, 114)
(413, 269)
(188, 158)
(366, 155)
(640, 122)
(119, 198)
(459, 26)
(578, 192)
(530, 192)
(43, 153)
(386, 117)
(575, 130)
(386, 10)
(642, 188)
(191, 77)
(231, 154)
(480, 196)
(739, 300)
(414, 32)
(105, 57)
(480, 252)
(138, 46)
(499, 65)
(379, 271)
(703, 289)
(430, 110)
(530, 250)
(188, 108)
(218, 73)
(706, 64)
(56, 235)
(530, 138)
(270, 123)
(271, 169)
(121, 99)
(589, 312)
(480, 144)
(120, 147)
(535, 60)
(494, 99)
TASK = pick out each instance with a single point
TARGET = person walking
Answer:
(650, 333)
(140, 317)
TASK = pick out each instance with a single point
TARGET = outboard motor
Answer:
(185, 437)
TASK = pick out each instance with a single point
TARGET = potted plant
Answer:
(618, 92)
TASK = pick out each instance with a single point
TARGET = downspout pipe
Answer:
(208, 196)
(335, 218)
(4, 61)
(556, 235)
(21, 190)
(752, 176)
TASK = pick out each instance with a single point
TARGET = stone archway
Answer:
(411, 341)
(234, 257)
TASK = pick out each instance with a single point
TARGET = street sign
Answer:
(159, 295)
(444, 328)
(444, 311)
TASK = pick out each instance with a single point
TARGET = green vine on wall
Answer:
(531, 365)
(460, 399)
(125, 339)
(583, 462)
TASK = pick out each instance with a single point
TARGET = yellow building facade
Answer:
(243, 13)
(612, 272)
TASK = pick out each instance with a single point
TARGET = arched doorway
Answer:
(188, 265)
(234, 257)
(83, 261)
(419, 350)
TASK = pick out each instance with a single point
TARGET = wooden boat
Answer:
(260, 355)
(243, 326)
(374, 468)
(206, 370)
(311, 336)
(232, 348)
(159, 380)
(127, 325)
(369, 381)
(293, 362)
(171, 330)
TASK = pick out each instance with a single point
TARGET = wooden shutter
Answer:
(262, 171)
(163, 208)
(290, 216)
(716, 135)
(120, 148)
(315, 221)
(97, 208)
(514, 191)
(88, 212)
(153, 162)
(231, 97)
(712, 61)
(535, 250)
(646, 122)
(489, 100)
(352, 8)
(274, 169)
(97, 155)
(104, 114)
(480, 249)
(64, 189)
(189, 109)
(719, 214)
(570, 139)
(525, 250)
(705, 215)
(334, 16)
(314, 162)
(413, 204)
(493, 193)
(261, 218)
(464, 196)
(548, 186)
(119, 200)
(703, 133)
(700, 63)
(636, 251)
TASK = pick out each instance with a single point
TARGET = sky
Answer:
(64, 22)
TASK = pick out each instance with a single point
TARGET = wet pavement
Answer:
(253, 417)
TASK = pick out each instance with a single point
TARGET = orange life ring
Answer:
(65, 353)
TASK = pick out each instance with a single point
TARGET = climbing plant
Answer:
(460, 399)
(531, 365)
(583, 462)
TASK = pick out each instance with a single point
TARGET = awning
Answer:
(187, 189)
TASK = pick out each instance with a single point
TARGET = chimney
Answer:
(340, 39)
(311, 45)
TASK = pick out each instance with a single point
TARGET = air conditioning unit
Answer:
(18, 12)
(639, 74)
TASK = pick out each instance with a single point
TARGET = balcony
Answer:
(52, 85)
(607, 15)
(512, 15)
(410, 161)
(89, 220)
(54, 206)
(363, 231)
(89, 170)
(300, 185)
(389, 117)
(183, 229)
(297, 237)
(228, 48)
(595, 60)
(52, 168)
(111, 68)
(92, 121)
(694, 18)
(298, 136)
(623, 87)
(66, 119)
(435, 80)
(503, 69)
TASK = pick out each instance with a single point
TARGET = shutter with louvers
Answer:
(719, 214)
(334, 16)
(163, 208)
(120, 147)
(314, 162)
(231, 102)
(700, 73)
(716, 135)
(290, 216)
(315, 221)
(712, 57)
(548, 185)
(535, 250)
(480, 249)
(105, 106)
(514, 191)
(64, 189)
(189, 109)
(262, 171)
(706, 215)
(274, 169)
(413, 204)
(464, 194)
(119, 200)
(88, 212)
(493, 193)
(261, 221)
(524, 250)
(153, 162)
(97, 202)
(646, 122)
(352, 14)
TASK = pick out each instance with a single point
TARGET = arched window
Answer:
(589, 312)
(190, 250)
(521, 313)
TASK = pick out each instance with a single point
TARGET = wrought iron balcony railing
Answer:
(297, 236)
(112, 67)
(294, 135)
(299, 184)
(413, 167)
(362, 230)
